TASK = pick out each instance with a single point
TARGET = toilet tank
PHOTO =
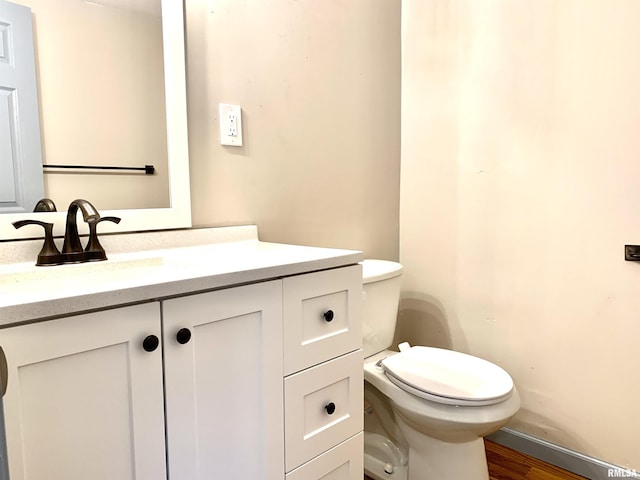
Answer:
(381, 281)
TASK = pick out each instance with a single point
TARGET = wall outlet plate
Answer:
(230, 125)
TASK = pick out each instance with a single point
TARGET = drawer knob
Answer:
(328, 315)
(183, 336)
(150, 343)
(330, 408)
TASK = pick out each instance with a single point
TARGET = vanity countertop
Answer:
(175, 264)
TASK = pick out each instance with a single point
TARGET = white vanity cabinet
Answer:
(261, 381)
(84, 399)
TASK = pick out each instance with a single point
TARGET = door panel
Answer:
(21, 179)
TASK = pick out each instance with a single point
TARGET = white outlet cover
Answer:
(230, 125)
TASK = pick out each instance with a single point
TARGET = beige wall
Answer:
(520, 187)
(319, 85)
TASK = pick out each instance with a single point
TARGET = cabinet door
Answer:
(84, 399)
(224, 384)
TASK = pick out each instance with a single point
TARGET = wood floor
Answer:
(507, 464)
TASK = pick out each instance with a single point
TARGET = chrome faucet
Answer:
(72, 251)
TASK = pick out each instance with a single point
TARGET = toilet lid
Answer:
(448, 377)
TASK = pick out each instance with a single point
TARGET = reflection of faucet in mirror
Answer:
(72, 250)
(45, 205)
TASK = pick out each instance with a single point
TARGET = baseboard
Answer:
(575, 462)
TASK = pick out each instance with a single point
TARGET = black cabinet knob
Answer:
(150, 343)
(328, 315)
(183, 336)
(330, 408)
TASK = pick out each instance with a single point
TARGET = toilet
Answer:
(426, 409)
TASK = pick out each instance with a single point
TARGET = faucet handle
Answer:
(94, 251)
(49, 255)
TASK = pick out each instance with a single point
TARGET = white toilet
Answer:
(426, 409)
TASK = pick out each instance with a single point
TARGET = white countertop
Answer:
(189, 261)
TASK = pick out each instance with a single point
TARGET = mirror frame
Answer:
(178, 215)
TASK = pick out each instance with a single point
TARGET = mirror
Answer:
(172, 209)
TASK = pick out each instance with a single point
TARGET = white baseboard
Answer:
(575, 462)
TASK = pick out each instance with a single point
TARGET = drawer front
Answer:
(343, 462)
(322, 316)
(323, 407)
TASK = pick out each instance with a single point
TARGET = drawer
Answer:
(343, 462)
(322, 316)
(323, 407)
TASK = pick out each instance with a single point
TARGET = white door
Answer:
(84, 399)
(224, 399)
(21, 179)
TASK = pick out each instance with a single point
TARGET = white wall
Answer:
(520, 186)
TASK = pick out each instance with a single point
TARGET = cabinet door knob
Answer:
(330, 408)
(183, 336)
(328, 315)
(150, 343)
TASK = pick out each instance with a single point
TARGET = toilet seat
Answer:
(448, 377)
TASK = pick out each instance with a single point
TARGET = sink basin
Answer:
(22, 273)
(124, 268)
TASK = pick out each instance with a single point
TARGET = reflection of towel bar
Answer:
(147, 169)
